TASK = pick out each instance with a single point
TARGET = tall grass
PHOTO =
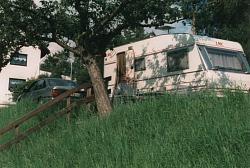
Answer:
(195, 130)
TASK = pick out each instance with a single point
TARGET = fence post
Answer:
(89, 90)
(16, 130)
(88, 94)
(69, 110)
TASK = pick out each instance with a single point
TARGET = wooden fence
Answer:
(19, 135)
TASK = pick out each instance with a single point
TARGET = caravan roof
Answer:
(172, 41)
(218, 43)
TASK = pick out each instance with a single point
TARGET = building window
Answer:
(177, 60)
(14, 83)
(140, 64)
(19, 59)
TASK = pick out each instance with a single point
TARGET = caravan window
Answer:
(177, 60)
(140, 64)
(225, 59)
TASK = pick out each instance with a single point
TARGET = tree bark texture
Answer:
(101, 96)
(193, 29)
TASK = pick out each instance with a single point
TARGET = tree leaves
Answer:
(227, 19)
(79, 26)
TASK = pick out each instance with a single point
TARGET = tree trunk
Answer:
(101, 96)
(193, 29)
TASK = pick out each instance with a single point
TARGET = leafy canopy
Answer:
(58, 64)
(80, 26)
(226, 19)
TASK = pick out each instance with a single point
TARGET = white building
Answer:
(23, 66)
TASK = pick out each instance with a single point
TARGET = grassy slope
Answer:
(175, 131)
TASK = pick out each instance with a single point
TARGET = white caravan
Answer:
(176, 62)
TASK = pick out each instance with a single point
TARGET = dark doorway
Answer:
(121, 67)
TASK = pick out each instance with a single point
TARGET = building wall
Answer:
(19, 72)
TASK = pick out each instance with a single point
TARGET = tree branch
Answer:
(67, 47)
(108, 18)
(53, 30)
(31, 12)
(83, 13)
(117, 30)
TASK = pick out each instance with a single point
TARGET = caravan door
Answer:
(130, 68)
(125, 67)
(121, 67)
(125, 74)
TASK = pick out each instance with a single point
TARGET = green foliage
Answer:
(195, 130)
(129, 36)
(226, 19)
(90, 25)
(85, 28)
(58, 64)
(233, 22)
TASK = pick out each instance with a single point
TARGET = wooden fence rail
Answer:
(15, 124)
